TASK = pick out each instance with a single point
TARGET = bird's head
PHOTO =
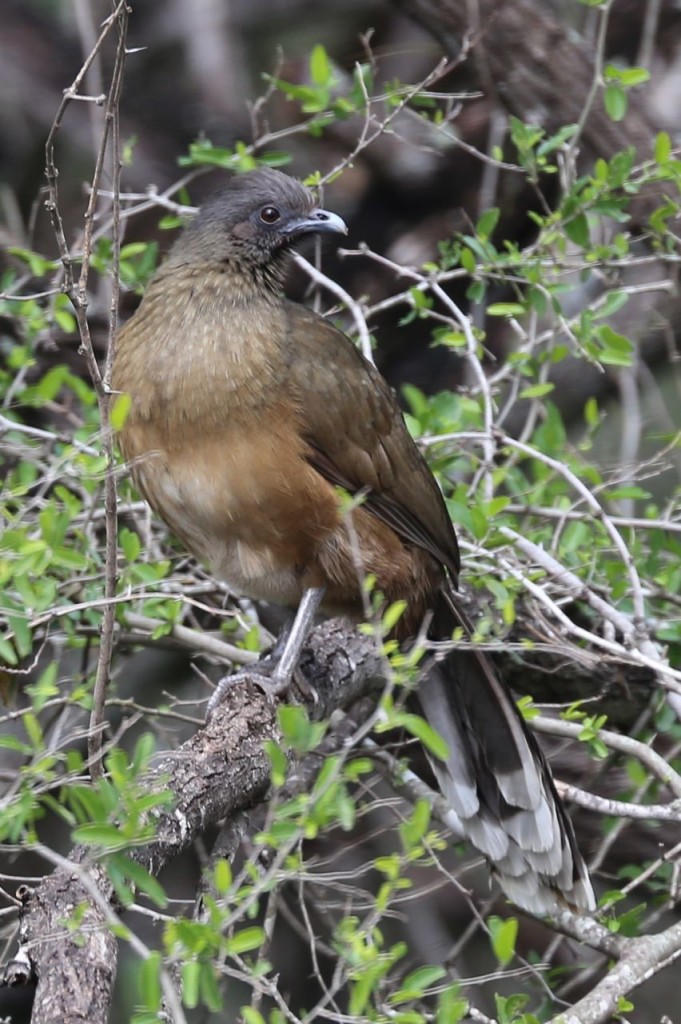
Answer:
(253, 221)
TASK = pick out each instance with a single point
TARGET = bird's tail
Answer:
(496, 779)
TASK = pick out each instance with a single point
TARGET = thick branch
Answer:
(219, 772)
(643, 958)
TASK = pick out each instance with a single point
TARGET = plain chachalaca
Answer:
(248, 412)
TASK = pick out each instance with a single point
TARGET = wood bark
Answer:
(66, 941)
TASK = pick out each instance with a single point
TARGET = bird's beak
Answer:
(316, 221)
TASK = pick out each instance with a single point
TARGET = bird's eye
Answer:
(269, 214)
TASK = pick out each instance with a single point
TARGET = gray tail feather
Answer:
(496, 778)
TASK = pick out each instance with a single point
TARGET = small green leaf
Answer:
(34, 731)
(210, 992)
(629, 77)
(140, 878)
(251, 1015)
(617, 350)
(591, 412)
(537, 390)
(504, 934)
(424, 732)
(415, 827)
(191, 979)
(120, 410)
(130, 542)
(300, 733)
(94, 834)
(611, 304)
(320, 67)
(487, 223)
(467, 260)
(577, 230)
(245, 940)
(423, 977)
(7, 652)
(222, 875)
(278, 762)
(616, 103)
(393, 614)
(415, 984)
(451, 1007)
(506, 309)
(148, 981)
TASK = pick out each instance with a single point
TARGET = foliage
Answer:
(543, 484)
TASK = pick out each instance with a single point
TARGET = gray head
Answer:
(254, 220)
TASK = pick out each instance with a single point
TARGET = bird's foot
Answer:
(266, 674)
(275, 673)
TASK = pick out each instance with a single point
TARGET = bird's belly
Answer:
(250, 526)
(254, 573)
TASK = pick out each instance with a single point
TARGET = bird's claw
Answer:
(266, 677)
(270, 686)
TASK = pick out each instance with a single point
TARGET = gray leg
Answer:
(276, 680)
(301, 626)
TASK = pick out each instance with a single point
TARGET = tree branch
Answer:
(222, 770)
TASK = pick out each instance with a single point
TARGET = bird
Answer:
(248, 417)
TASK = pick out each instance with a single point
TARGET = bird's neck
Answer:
(245, 280)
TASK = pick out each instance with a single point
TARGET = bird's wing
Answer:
(494, 778)
(358, 439)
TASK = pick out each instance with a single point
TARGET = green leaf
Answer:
(616, 103)
(617, 350)
(393, 614)
(577, 230)
(148, 981)
(37, 264)
(451, 1007)
(415, 827)
(140, 878)
(504, 934)
(245, 940)
(506, 309)
(191, 980)
(222, 875)
(487, 223)
(33, 731)
(251, 1015)
(96, 834)
(66, 320)
(629, 77)
(210, 992)
(278, 762)
(537, 390)
(120, 409)
(320, 68)
(424, 732)
(592, 414)
(7, 652)
(468, 261)
(611, 304)
(632, 491)
(422, 978)
(300, 733)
